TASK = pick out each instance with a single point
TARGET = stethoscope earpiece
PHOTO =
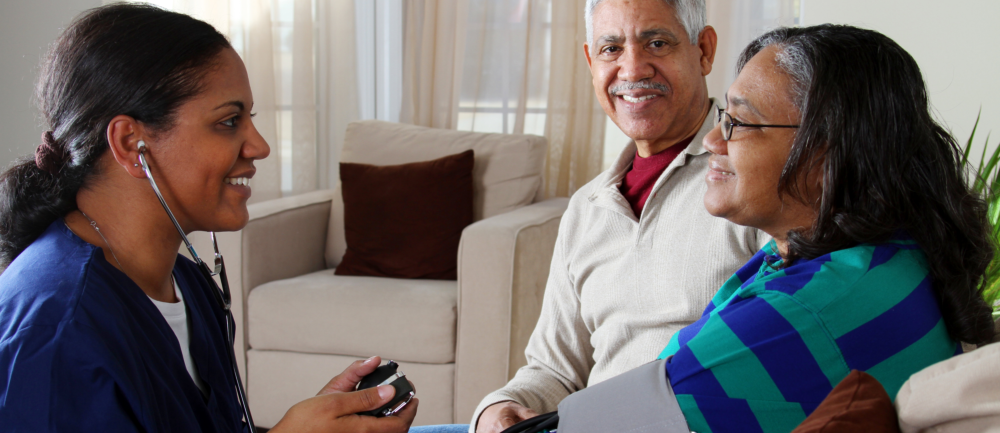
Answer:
(142, 148)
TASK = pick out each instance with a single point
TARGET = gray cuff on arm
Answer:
(638, 401)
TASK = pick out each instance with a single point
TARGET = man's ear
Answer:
(707, 41)
(586, 53)
(124, 134)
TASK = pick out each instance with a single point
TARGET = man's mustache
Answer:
(632, 85)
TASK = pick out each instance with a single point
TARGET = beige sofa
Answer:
(961, 394)
(456, 340)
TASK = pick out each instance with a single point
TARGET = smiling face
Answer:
(204, 162)
(648, 77)
(744, 171)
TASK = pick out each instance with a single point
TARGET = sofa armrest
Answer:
(284, 238)
(503, 263)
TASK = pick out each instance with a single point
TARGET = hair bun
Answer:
(49, 156)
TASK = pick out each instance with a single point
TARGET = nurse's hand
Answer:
(348, 380)
(335, 408)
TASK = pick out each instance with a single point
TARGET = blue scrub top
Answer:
(82, 348)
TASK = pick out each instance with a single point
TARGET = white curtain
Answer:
(433, 51)
(739, 22)
(576, 122)
(506, 66)
(300, 93)
(337, 84)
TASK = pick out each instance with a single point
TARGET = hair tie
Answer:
(48, 156)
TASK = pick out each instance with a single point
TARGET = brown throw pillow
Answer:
(405, 221)
(857, 404)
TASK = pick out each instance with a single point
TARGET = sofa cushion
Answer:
(508, 171)
(405, 320)
(961, 394)
(273, 387)
(858, 403)
(405, 221)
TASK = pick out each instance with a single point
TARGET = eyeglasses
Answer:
(729, 123)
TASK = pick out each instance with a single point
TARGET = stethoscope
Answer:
(222, 296)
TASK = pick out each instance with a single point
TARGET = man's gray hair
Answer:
(691, 14)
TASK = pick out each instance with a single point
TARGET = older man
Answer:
(638, 257)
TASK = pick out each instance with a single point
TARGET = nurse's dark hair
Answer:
(131, 59)
(887, 165)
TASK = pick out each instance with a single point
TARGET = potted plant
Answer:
(986, 181)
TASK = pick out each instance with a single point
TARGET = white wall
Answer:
(954, 42)
(27, 27)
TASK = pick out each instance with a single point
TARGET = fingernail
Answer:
(369, 360)
(386, 391)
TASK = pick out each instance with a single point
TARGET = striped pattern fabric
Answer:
(774, 342)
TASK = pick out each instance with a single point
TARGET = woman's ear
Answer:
(124, 135)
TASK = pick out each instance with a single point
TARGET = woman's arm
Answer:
(46, 386)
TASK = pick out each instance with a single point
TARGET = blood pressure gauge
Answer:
(388, 374)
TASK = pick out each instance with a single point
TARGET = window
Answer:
(506, 65)
(281, 62)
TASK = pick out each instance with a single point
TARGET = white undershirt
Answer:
(176, 316)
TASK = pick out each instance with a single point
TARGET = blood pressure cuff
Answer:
(638, 401)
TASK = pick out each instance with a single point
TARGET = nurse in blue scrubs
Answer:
(103, 326)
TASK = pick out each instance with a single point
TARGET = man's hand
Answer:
(499, 416)
(334, 409)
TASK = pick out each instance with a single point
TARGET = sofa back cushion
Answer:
(507, 173)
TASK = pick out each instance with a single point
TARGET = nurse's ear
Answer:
(124, 135)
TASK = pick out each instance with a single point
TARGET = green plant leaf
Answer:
(968, 144)
(989, 172)
(986, 182)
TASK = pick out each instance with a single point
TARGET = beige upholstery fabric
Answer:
(508, 171)
(281, 244)
(961, 394)
(282, 239)
(339, 315)
(336, 241)
(303, 325)
(507, 175)
(506, 260)
(278, 380)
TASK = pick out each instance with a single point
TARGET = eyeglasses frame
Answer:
(719, 111)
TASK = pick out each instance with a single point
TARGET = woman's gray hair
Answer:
(791, 58)
(691, 14)
(888, 168)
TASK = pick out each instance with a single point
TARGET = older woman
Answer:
(103, 327)
(828, 145)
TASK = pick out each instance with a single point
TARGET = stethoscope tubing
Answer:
(156, 190)
(222, 295)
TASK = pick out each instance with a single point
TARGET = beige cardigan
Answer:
(619, 287)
